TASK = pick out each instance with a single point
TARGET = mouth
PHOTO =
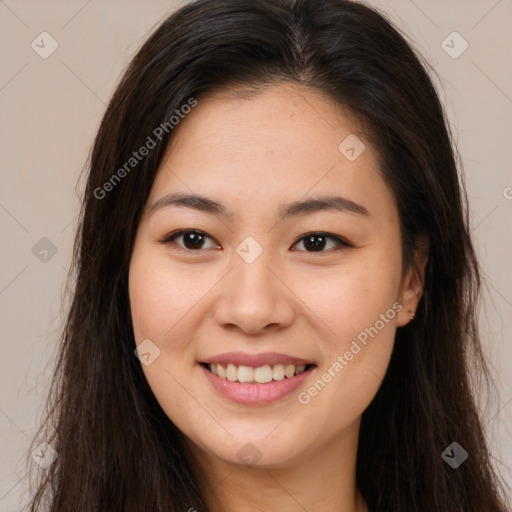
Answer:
(256, 379)
(256, 375)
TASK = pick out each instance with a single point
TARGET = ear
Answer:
(411, 288)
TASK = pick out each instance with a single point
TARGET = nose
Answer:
(254, 298)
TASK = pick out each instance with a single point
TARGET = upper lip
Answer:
(256, 360)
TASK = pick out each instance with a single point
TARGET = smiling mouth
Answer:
(260, 375)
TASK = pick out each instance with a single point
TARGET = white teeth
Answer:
(245, 373)
(263, 374)
(289, 370)
(259, 375)
(232, 372)
(278, 373)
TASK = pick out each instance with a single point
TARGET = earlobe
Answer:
(412, 286)
(409, 303)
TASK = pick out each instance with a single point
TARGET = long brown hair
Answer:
(117, 449)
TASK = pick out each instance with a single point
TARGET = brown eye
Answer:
(317, 242)
(192, 239)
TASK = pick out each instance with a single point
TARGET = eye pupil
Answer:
(318, 245)
(193, 240)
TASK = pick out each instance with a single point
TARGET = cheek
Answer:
(358, 358)
(348, 299)
(357, 310)
(162, 296)
(162, 301)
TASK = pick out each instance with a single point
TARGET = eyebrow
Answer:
(297, 208)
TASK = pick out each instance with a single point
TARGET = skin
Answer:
(254, 154)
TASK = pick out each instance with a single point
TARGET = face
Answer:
(288, 263)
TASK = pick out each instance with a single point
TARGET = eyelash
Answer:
(339, 241)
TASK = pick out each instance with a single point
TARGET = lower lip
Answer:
(256, 394)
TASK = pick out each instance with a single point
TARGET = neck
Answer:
(321, 480)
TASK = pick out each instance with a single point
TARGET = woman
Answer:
(274, 305)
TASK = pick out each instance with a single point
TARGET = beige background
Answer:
(50, 110)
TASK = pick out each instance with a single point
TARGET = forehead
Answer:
(279, 143)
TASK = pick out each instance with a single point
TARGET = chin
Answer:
(261, 451)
